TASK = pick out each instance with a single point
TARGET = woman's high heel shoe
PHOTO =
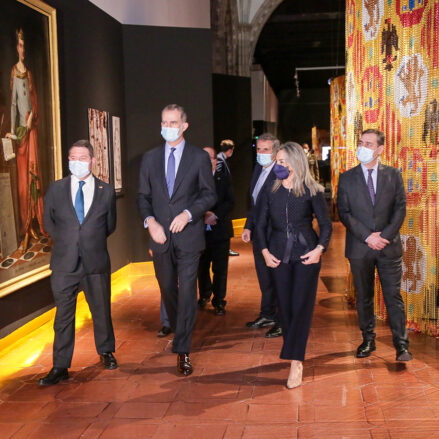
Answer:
(295, 378)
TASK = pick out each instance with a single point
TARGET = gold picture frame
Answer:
(28, 77)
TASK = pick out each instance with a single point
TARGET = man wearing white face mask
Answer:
(79, 215)
(372, 206)
(176, 188)
(262, 179)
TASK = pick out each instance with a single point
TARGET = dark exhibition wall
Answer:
(131, 72)
(162, 66)
(233, 120)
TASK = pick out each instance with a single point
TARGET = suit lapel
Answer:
(97, 194)
(68, 190)
(363, 185)
(161, 170)
(256, 174)
(183, 167)
(380, 183)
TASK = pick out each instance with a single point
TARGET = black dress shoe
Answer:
(403, 354)
(220, 310)
(166, 330)
(275, 331)
(108, 360)
(184, 365)
(202, 302)
(233, 253)
(365, 348)
(55, 375)
(260, 322)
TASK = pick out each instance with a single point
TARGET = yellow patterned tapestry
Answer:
(338, 131)
(392, 79)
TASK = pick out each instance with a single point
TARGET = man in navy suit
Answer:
(79, 215)
(219, 230)
(372, 205)
(176, 188)
(262, 179)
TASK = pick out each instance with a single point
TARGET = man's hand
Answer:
(179, 222)
(312, 257)
(376, 242)
(210, 218)
(246, 235)
(270, 260)
(156, 231)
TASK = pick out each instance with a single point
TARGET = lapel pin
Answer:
(101, 187)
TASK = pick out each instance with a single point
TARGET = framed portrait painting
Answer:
(30, 148)
(98, 133)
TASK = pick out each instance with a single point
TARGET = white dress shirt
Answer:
(374, 175)
(261, 180)
(88, 190)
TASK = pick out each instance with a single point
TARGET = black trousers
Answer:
(176, 272)
(97, 290)
(215, 255)
(296, 288)
(390, 272)
(268, 293)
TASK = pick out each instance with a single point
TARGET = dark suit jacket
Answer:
(223, 229)
(272, 222)
(250, 223)
(194, 190)
(88, 239)
(361, 217)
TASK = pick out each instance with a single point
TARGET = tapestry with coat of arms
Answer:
(392, 84)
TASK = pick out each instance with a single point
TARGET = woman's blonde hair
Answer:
(298, 162)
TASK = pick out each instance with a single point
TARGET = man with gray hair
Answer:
(176, 188)
(262, 179)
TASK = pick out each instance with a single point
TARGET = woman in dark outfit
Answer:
(292, 248)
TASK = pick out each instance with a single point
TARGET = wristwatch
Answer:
(320, 246)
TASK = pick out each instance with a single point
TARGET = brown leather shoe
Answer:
(184, 365)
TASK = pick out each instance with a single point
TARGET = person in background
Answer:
(226, 148)
(262, 179)
(312, 162)
(218, 231)
(292, 250)
(372, 206)
(79, 215)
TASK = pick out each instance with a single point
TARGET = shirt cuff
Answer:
(190, 215)
(145, 223)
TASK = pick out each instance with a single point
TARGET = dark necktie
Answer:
(170, 172)
(370, 185)
(79, 203)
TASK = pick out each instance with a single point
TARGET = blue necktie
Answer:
(370, 185)
(170, 172)
(79, 203)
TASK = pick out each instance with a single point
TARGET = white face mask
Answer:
(264, 159)
(79, 169)
(365, 155)
(170, 134)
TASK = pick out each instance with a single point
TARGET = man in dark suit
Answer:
(226, 148)
(79, 215)
(372, 206)
(176, 188)
(218, 231)
(262, 179)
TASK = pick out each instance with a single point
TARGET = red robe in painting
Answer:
(28, 166)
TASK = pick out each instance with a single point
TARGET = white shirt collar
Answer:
(75, 180)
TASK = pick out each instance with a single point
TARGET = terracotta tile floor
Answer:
(238, 387)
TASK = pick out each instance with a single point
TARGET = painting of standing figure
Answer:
(98, 132)
(30, 158)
